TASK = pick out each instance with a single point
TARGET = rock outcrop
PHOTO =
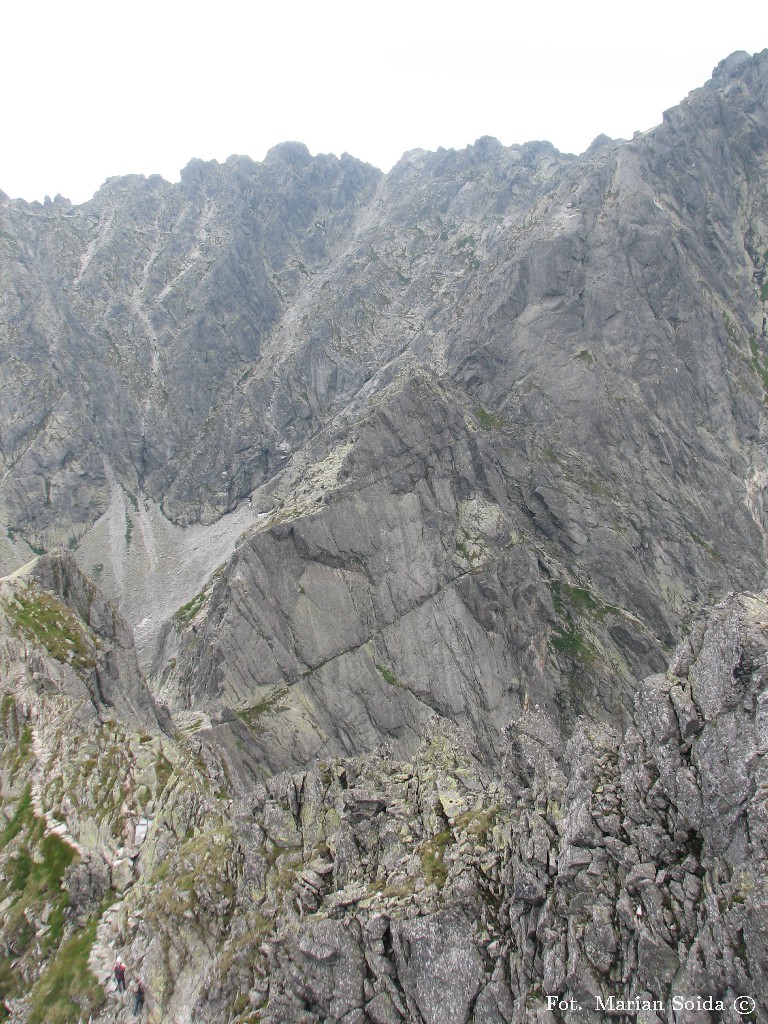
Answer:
(623, 865)
(387, 500)
(403, 579)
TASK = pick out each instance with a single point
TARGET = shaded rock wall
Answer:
(623, 865)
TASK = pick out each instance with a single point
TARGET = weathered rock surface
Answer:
(401, 580)
(458, 396)
(450, 459)
(175, 349)
(370, 888)
(625, 864)
(111, 365)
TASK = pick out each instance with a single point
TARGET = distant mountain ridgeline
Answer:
(358, 532)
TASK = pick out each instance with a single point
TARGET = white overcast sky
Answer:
(94, 89)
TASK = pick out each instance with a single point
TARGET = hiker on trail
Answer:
(119, 973)
(138, 993)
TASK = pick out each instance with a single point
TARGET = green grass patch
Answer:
(52, 624)
(579, 600)
(23, 816)
(477, 823)
(730, 329)
(584, 601)
(57, 856)
(487, 420)
(390, 677)
(270, 705)
(163, 772)
(433, 858)
(565, 640)
(759, 363)
(68, 991)
(32, 883)
(20, 868)
(38, 869)
(25, 743)
(188, 611)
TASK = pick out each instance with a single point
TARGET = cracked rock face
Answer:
(351, 450)
(182, 346)
(614, 866)
(408, 487)
(438, 888)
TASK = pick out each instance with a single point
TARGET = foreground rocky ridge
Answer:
(371, 888)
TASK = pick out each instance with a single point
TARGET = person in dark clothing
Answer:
(138, 996)
(119, 973)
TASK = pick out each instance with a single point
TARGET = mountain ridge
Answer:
(384, 597)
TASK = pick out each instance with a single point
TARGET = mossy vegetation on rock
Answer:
(41, 616)
(75, 786)
(32, 896)
(188, 611)
(68, 991)
(354, 874)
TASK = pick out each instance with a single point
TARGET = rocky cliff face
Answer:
(127, 320)
(237, 335)
(419, 586)
(382, 495)
(619, 865)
